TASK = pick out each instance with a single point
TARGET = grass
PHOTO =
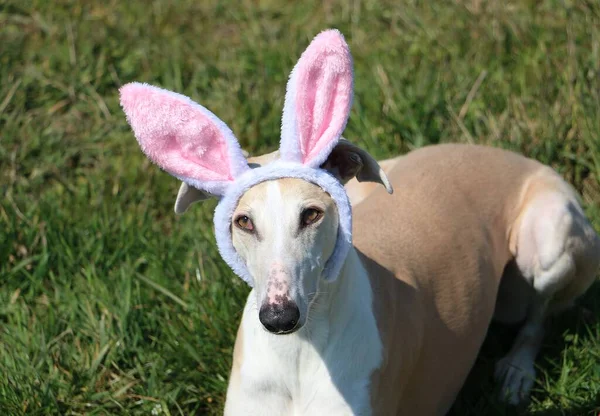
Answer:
(109, 304)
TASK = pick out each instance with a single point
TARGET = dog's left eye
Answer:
(244, 223)
(310, 216)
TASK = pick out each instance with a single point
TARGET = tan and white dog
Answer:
(392, 324)
(470, 234)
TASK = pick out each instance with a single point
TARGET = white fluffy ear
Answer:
(317, 101)
(183, 138)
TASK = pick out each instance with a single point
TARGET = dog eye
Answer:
(244, 223)
(310, 216)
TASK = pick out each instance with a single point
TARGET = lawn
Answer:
(111, 305)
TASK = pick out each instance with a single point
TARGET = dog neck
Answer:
(340, 329)
(342, 301)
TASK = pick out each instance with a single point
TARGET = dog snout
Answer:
(279, 318)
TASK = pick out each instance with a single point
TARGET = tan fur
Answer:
(452, 211)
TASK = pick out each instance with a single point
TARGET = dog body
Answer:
(399, 330)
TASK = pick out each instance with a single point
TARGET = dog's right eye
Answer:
(310, 216)
(244, 223)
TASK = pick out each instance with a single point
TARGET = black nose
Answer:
(279, 318)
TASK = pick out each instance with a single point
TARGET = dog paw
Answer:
(516, 376)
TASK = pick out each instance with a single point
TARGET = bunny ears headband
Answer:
(192, 144)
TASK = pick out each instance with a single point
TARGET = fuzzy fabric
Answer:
(317, 101)
(192, 144)
(183, 138)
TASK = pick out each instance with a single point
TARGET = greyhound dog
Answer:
(470, 234)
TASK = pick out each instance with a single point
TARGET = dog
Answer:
(444, 239)
(471, 234)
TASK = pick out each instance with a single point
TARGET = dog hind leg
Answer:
(553, 235)
(515, 295)
(516, 370)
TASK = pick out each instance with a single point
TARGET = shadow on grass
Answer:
(557, 391)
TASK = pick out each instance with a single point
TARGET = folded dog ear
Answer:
(183, 138)
(347, 161)
(317, 101)
(187, 195)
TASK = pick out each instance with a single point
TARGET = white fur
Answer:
(275, 200)
(343, 342)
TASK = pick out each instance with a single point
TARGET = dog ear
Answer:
(347, 161)
(187, 195)
(317, 100)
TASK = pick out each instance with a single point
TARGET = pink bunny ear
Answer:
(183, 138)
(318, 100)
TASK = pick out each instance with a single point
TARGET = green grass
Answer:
(109, 304)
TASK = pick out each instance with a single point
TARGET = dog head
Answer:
(282, 226)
